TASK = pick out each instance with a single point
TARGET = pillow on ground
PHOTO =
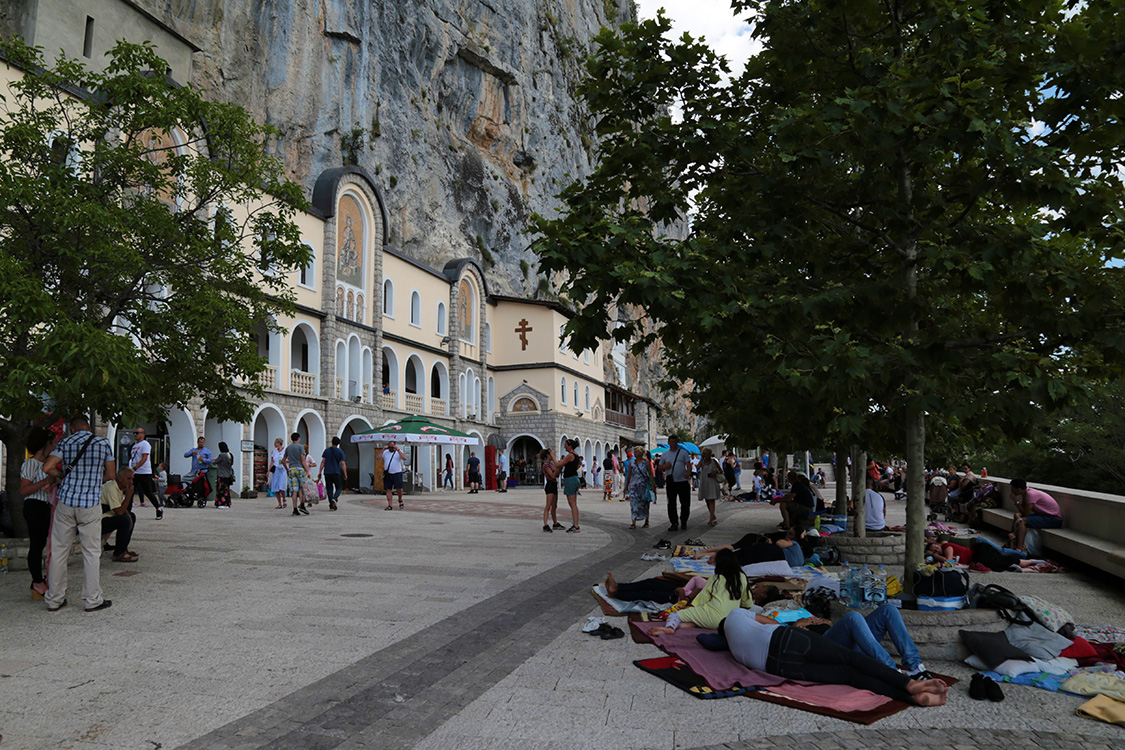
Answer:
(1037, 641)
(1010, 668)
(770, 568)
(993, 648)
(1080, 649)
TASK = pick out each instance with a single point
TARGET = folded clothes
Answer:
(624, 606)
(1103, 708)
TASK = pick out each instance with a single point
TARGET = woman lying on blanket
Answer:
(865, 634)
(728, 589)
(795, 654)
(791, 546)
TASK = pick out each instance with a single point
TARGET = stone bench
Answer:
(1092, 550)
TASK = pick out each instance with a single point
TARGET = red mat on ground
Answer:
(722, 673)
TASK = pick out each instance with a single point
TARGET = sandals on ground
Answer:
(389, 507)
(128, 557)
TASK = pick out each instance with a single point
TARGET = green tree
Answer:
(898, 210)
(131, 284)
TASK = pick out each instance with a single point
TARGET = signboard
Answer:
(247, 446)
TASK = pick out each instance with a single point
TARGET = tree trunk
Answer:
(915, 493)
(15, 443)
(859, 490)
(841, 478)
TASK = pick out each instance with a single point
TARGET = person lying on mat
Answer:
(865, 634)
(756, 548)
(760, 643)
(657, 590)
(727, 590)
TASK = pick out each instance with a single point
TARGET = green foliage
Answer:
(131, 284)
(352, 144)
(485, 253)
(1084, 448)
(892, 214)
(525, 267)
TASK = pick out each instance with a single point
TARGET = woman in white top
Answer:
(279, 477)
(36, 503)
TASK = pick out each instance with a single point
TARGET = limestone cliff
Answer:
(463, 109)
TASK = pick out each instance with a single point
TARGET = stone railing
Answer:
(302, 383)
(339, 387)
(365, 393)
(267, 378)
(390, 400)
(412, 402)
(438, 406)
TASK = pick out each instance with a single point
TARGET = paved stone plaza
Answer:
(455, 624)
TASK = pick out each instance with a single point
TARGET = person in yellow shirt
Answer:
(727, 590)
(116, 516)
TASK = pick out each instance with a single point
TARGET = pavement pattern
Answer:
(453, 624)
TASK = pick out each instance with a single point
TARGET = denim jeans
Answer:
(864, 634)
(1013, 553)
(797, 654)
(333, 485)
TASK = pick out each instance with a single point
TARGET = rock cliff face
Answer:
(463, 109)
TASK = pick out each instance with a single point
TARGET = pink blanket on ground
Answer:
(722, 672)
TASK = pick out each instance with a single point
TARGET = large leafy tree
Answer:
(136, 218)
(899, 209)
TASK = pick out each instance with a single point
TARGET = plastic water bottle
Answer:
(846, 581)
(3, 558)
(879, 587)
(855, 587)
(867, 581)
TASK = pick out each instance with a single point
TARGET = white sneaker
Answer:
(592, 624)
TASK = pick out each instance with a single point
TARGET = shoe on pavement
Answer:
(547, 528)
(56, 609)
(303, 510)
(159, 514)
(557, 526)
(106, 604)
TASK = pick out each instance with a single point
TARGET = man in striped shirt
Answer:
(84, 462)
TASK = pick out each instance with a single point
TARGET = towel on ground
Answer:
(1103, 708)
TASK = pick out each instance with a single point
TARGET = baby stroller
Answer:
(183, 495)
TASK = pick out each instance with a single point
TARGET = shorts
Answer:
(501, 478)
(392, 481)
(551, 487)
(570, 485)
(797, 510)
(296, 474)
(1044, 522)
(474, 477)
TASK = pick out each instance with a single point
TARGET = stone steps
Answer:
(936, 633)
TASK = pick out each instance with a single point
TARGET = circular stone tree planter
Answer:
(872, 550)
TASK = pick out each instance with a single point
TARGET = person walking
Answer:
(638, 483)
(394, 463)
(570, 464)
(140, 461)
(334, 472)
(279, 479)
(224, 476)
(294, 462)
(83, 462)
(551, 490)
(161, 479)
(709, 473)
(34, 486)
(447, 480)
(676, 463)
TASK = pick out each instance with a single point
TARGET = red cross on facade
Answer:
(522, 329)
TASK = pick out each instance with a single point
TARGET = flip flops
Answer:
(662, 544)
(607, 632)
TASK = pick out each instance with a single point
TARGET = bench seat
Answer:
(1100, 553)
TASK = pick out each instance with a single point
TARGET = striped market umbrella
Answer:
(416, 429)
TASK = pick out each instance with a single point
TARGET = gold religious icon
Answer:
(522, 329)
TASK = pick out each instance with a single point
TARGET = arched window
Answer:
(388, 298)
(350, 309)
(575, 394)
(586, 356)
(487, 337)
(359, 308)
(564, 390)
(351, 241)
(339, 302)
(415, 308)
(562, 337)
(307, 277)
(441, 318)
(587, 398)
